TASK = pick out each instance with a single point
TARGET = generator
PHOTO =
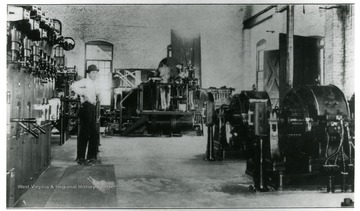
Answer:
(314, 138)
(308, 141)
(236, 125)
(216, 103)
(150, 117)
(145, 105)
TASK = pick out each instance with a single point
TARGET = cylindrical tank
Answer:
(169, 123)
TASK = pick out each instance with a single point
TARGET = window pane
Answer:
(101, 56)
(99, 52)
(101, 65)
(104, 79)
(260, 48)
(261, 60)
(88, 63)
(260, 81)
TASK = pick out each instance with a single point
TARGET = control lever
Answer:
(42, 130)
(21, 122)
(35, 134)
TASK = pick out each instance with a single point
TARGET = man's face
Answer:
(92, 75)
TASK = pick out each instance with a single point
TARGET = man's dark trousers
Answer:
(88, 134)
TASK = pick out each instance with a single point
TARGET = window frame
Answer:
(97, 42)
(260, 47)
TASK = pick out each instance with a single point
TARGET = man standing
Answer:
(164, 74)
(89, 93)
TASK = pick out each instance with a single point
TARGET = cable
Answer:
(350, 143)
(327, 143)
(340, 145)
(343, 159)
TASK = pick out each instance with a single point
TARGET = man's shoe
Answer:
(88, 162)
(96, 161)
(81, 161)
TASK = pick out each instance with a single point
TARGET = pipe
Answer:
(27, 120)
(290, 46)
(329, 8)
(121, 103)
(139, 123)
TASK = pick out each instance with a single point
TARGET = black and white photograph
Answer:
(239, 105)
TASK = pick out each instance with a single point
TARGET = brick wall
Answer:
(339, 49)
(141, 33)
(310, 20)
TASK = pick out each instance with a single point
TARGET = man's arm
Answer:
(98, 93)
(79, 87)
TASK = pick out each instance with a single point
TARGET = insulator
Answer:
(35, 54)
(26, 51)
(15, 44)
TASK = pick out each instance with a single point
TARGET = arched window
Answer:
(100, 53)
(260, 49)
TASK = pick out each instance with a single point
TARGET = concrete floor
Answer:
(159, 172)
